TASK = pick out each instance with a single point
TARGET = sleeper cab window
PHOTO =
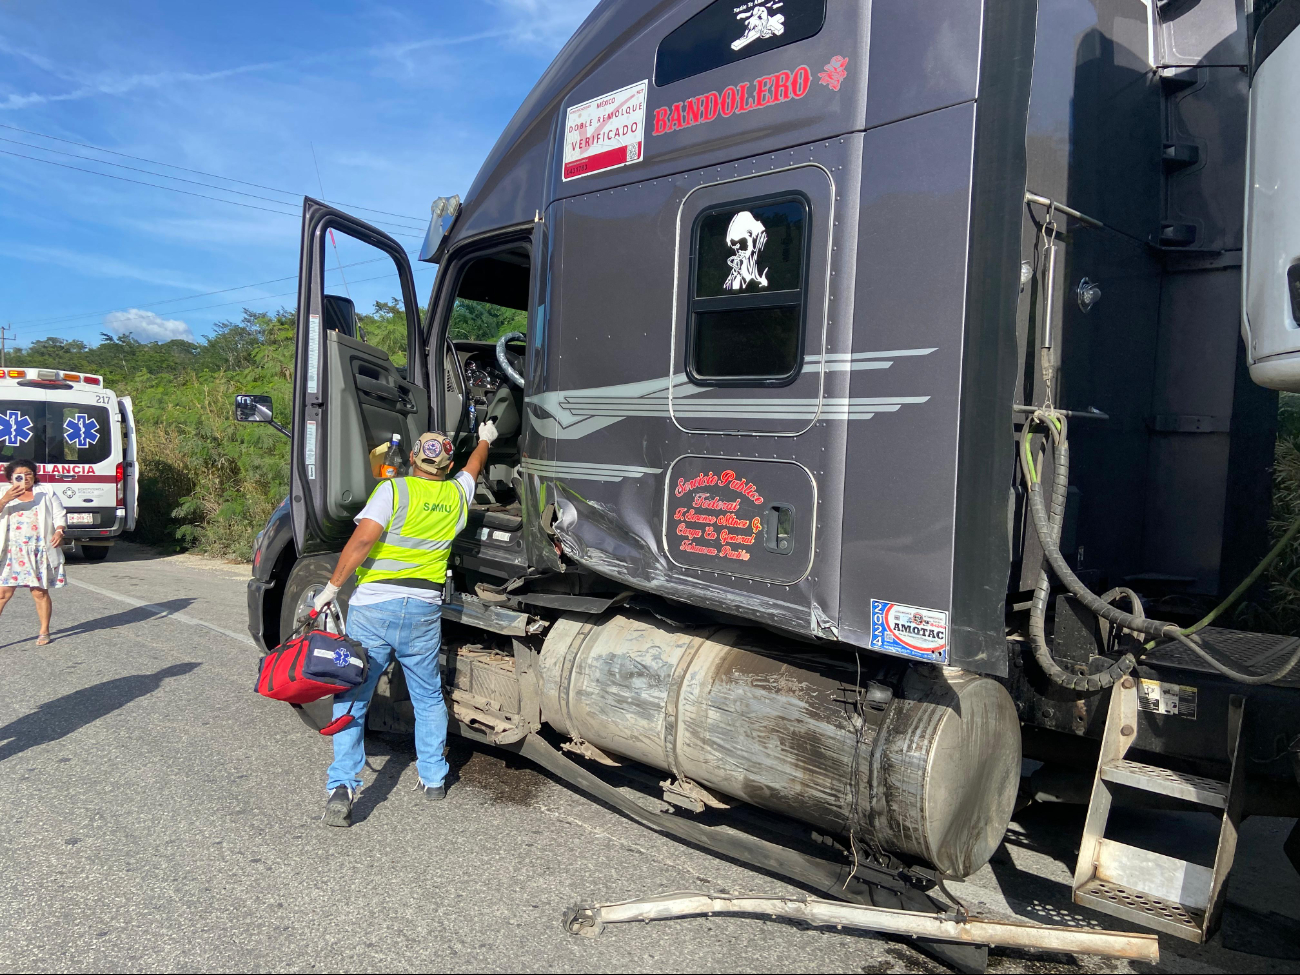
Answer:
(728, 31)
(749, 284)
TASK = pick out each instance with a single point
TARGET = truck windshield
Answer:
(54, 433)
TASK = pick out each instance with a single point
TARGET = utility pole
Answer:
(4, 334)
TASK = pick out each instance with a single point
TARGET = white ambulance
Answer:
(82, 438)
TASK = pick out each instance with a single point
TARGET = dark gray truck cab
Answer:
(791, 296)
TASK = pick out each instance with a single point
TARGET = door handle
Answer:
(379, 390)
(397, 399)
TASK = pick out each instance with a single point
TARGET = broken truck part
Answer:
(589, 920)
(862, 424)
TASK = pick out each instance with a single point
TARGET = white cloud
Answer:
(146, 326)
(547, 23)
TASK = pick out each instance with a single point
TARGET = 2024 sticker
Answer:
(909, 631)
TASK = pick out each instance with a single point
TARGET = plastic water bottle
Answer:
(392, 465)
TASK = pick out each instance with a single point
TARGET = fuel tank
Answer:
(918, 761)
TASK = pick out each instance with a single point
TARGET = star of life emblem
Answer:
(760, 24)
(15, 428)
(81, 430)
(341, 658)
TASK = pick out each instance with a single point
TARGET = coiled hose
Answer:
(1048, 529)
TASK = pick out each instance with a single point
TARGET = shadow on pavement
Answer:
(385, 781)
(137, 614)
(62, 716)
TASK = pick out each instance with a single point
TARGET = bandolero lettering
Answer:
(769, 90)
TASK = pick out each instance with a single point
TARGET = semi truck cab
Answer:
(814, 307)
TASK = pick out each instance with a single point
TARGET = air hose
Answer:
(1048, 529)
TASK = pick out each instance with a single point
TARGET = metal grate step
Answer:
(1142, 908)
(1167, 782)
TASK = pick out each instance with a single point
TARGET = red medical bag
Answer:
(312, 665)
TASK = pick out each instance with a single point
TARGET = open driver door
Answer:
(351, 391)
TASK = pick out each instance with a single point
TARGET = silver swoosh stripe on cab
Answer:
(577, 470)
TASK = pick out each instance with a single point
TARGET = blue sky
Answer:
(401, 102)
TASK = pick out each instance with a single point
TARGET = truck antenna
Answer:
(321, 183)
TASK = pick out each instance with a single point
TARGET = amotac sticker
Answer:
(605, 132)
(910, 631)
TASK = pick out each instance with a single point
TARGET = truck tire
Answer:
(306, 579)
(94, 553)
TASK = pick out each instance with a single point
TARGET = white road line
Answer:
(164, 612)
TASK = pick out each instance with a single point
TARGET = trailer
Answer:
(882, 419)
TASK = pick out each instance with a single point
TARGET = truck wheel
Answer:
(307, 578)
(94, 553)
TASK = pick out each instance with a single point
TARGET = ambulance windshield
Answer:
(54, 433)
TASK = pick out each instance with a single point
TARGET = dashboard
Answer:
(483, 376)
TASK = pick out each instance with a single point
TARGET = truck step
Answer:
(1171, 895)
(1167, 782)
(1168, 917)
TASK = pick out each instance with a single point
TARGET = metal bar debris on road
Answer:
(590, 919)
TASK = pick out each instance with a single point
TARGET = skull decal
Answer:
(746, 236)
(759, 24)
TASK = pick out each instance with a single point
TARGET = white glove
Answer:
(325, 597)
(487, 430)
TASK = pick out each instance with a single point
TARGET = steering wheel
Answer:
(509, 362)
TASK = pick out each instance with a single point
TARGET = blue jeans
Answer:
(411, 630)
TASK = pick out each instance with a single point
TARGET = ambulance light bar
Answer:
(53, 376)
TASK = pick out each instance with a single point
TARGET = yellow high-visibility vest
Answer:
(416, 542)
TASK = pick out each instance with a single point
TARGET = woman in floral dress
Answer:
(31, 538)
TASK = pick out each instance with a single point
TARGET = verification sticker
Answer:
(313, 353)
(911, 631)
(1162, 697)
(309, 449)
(606, 132)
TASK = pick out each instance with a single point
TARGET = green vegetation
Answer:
(207, 482)
(1277, 609)
(210, 483)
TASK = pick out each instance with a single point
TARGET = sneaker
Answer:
(433, 791)
(338, 808)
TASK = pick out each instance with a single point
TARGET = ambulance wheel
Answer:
(94, 553)
(306, 580)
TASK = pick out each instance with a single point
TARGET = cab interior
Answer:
(484, 368)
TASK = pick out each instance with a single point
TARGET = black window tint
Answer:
(775, 231)
(732, 30)
(749, 282)
(54, 433)
(747, 343)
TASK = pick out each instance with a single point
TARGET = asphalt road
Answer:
(159, 816)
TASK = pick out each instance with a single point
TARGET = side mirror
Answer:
(254, 408)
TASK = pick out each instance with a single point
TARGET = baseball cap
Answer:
(433, 452)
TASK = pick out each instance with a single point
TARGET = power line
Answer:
(43, 324)
(221, 304)
(199, 172)
(137, 169)
(173, 189)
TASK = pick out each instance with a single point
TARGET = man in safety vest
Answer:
(399, 551)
